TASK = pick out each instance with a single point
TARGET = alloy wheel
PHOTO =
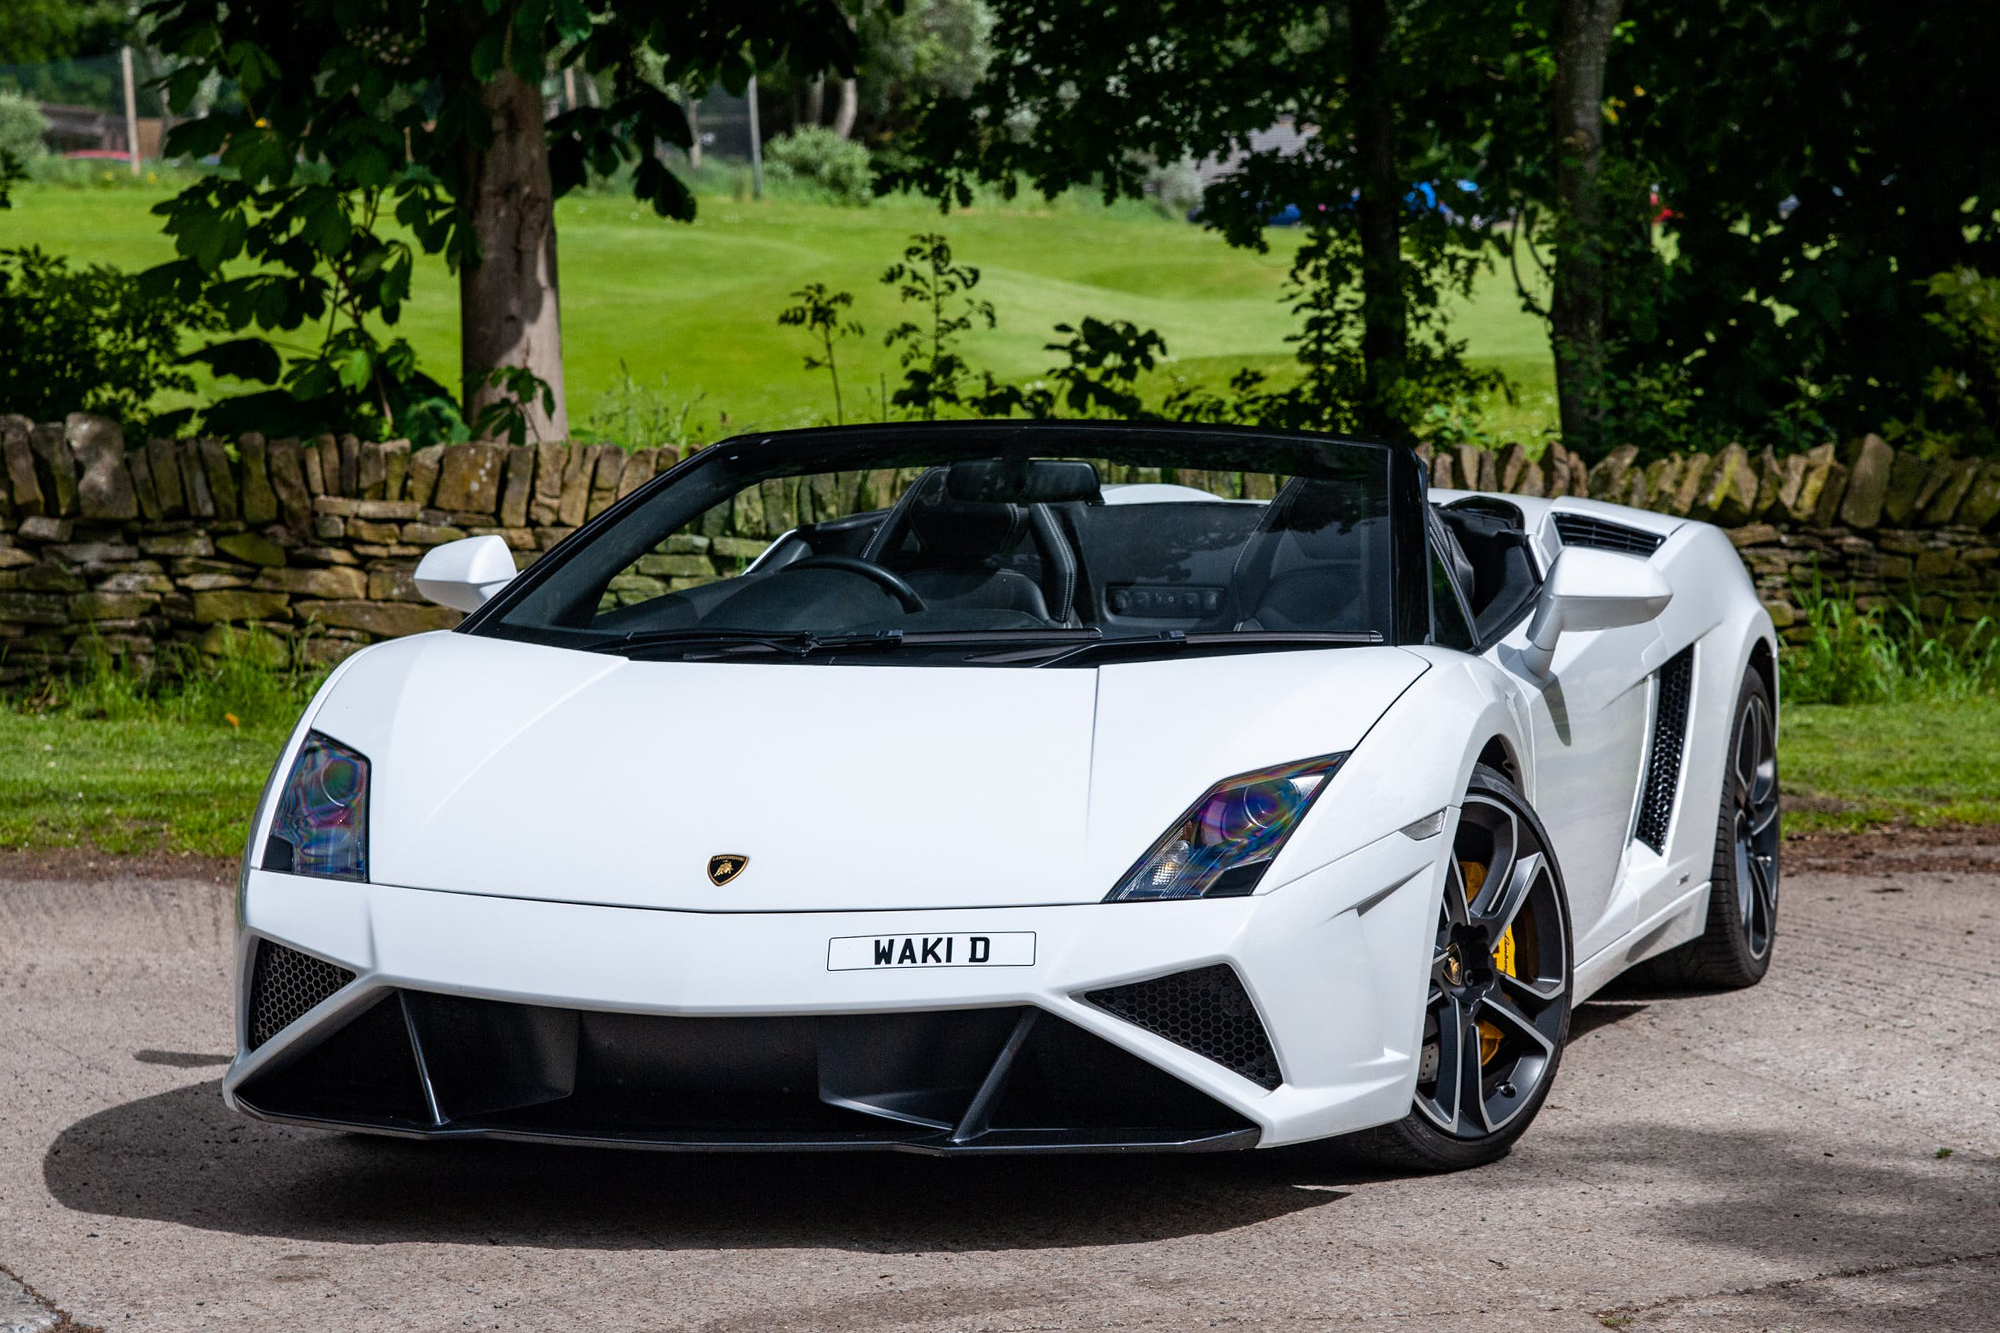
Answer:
(1753, 789)
(1497, 1004)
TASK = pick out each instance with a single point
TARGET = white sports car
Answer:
(1052, 787)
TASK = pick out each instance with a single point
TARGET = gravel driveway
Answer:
(1816, 1153)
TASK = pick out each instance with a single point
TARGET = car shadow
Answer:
(183, 1157)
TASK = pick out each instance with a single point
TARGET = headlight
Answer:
(321, 824)
(1221, 847)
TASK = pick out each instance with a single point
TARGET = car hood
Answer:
(524, 771)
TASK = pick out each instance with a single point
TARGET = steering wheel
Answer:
(890, 582)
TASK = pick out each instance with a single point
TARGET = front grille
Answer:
(284, 984)
(1583, 530)
(1663, 763)
(1206, 1010)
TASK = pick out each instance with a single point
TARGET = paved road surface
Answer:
(1767, 1159)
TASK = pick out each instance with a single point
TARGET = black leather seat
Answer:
(970, 554)
(1487, 553)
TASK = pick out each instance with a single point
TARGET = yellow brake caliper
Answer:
(1503, 956)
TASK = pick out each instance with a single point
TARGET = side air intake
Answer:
(1583, 530)
(1663, 762)
(284, 984)
(1206, 1010)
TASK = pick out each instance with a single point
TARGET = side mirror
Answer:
(1590, 589)
(464, 574)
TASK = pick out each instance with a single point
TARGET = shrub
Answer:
(836, 167)
(21, 127)
(86, 338)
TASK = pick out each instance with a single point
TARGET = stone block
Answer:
(235, 604)
(193, 542)
(469, 478)
(1935, 564)
(1907, 474)
(1694, 472)
(1869, 464)
(1782, 614)
(34, 608)
(370, 530)
(517, 487)
(1753, 534)
(684, 543)
(578, 467)
(378, 551)
(163, 458)
(1444, 473)
(640, 469)
(18, 456)
(334, 582)
(371, 471)
(288, 480)
(737, 548)
(1556, 464)
(256, 645)
(50, 577)
(1982, 502)
(1534, 481)
(381, 511)
(550, 460)
(112, 605)
(1832, 488)
(1815, 466)
(1608, 475)
(13, 557)
(424, 466)
(390, 620)
(315, 472)
(56, 467)
(210, 582)
(1661, 481)
(92, 553)
(44, 528)
(194, 480)
(674, 566)
(517, 539)
(251, 548)
(139, 464)
(259, 499)
(221, 480)
(1951, 492)
(324, 555)
(1510, 467)
(426, 534)
(396, 459)
(135, 582)
(1730, 490)
(393, 583)
(350, 465)
(328, 448)
(103, 485)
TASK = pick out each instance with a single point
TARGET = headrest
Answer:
(952, 529)
(1022, 481)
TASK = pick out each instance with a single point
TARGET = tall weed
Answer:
(1884, 654)
(248, 682)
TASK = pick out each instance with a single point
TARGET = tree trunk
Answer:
(815, 102)
(849, 108)
(1378, 213)
(508, 309)
(1576, 306)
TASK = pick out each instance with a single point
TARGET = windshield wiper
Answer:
(1173, 641)
(709, 644)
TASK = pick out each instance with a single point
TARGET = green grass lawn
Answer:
(1923, 763)
(140, 784)
(694, 307)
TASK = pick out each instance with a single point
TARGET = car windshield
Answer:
(1003, 546)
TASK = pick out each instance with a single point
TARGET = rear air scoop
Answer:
(534, 772)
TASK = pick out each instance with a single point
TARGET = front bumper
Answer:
(469, 1015)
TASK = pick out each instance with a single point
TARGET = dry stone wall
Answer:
(308, 547)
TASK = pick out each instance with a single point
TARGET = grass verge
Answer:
(1919, 762)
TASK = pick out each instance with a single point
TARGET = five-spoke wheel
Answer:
(1497, 1010)
(1735, 950)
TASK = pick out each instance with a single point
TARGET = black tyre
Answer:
(1497, 1014)
(1735, 950)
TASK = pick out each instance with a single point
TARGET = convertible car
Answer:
(1040, 787)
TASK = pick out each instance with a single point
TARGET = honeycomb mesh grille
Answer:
(1206, 1010)
(1663, 763)
(1583, 530)
(283, 985)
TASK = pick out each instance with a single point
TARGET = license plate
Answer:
(853, 953)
